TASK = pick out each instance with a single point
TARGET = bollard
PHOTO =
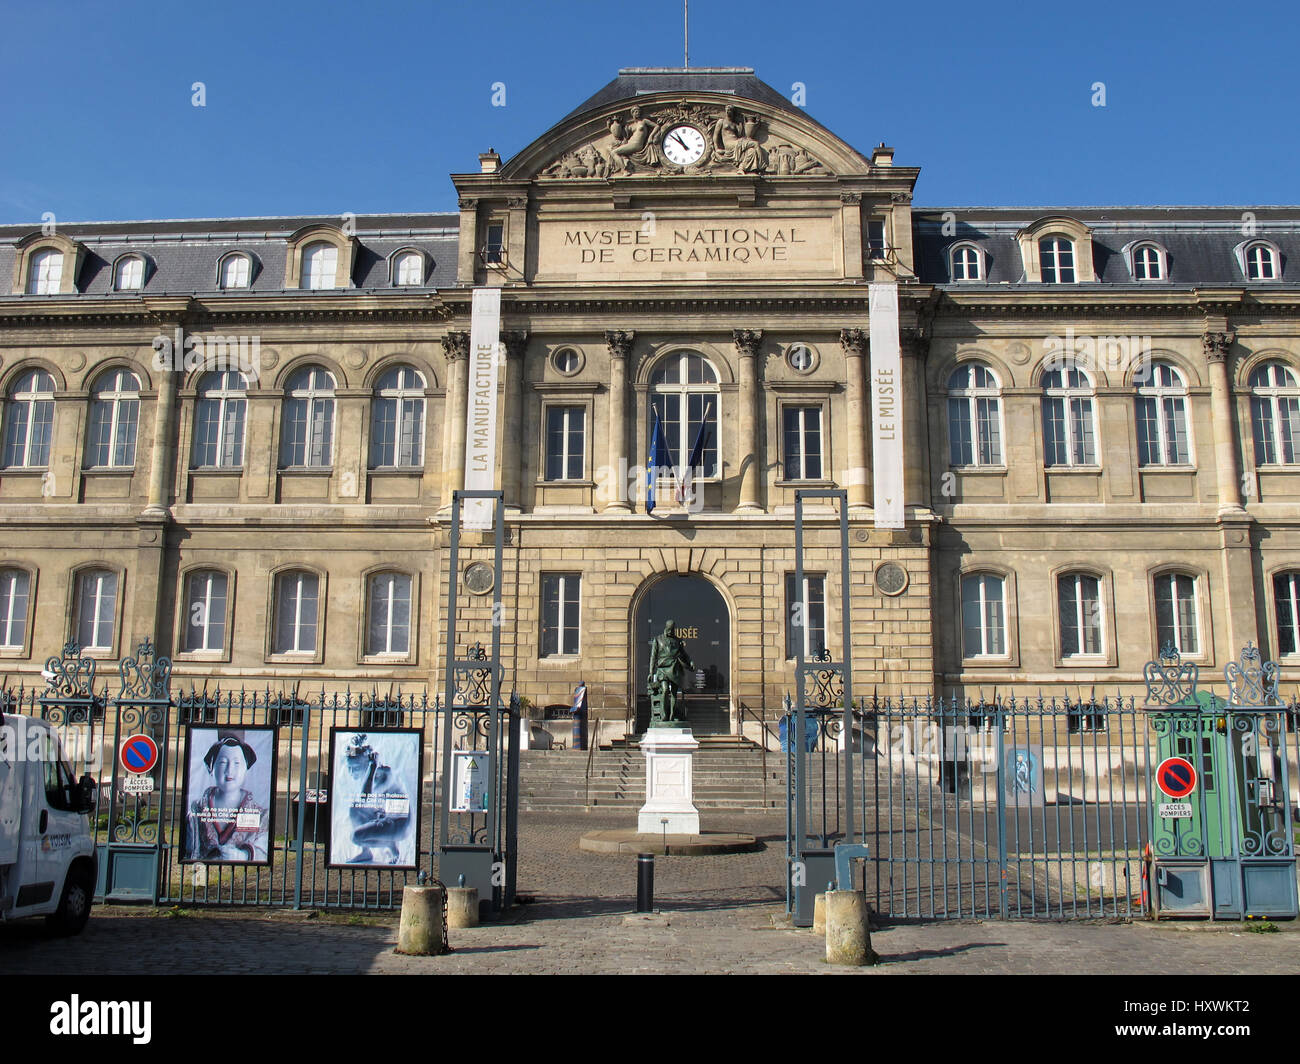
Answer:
(645, 882)
(819, 914)
(848, 935)
(422, 930)
(462, 906)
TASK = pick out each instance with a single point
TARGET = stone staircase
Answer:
(726, 777)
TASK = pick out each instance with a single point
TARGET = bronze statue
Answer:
(669, 663)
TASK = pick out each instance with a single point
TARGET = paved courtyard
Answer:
(718, 915)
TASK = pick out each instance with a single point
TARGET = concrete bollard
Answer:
(848, 934)
(819, 914)
(462, 906)
(422, 930)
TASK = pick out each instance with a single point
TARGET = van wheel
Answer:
(74, 907)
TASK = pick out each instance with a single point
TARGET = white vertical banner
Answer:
(886, 407)
(481, 417)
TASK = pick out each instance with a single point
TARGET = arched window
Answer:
(45, 272)
(114, 418)
(236, 271)
(1056, 258)
(1286, 601)
(983, 615)
(219, 420)
(205, 611)
(1275, 414)
(1177, 620)
(129, 274)
(29, 419)
(1261, 263)
(96, 609)
(974, 416)
(397, 420)
(1148, 263)
(320, 262)
(408, 268)
(388, 623)
(308, 434)
(1079, 608)
(15, 586)
(966, 263)
(296, 623)
(684, 399)
(1162, 417)
(1069, 436)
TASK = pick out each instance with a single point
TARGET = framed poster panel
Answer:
(229, 795)
(374, 802)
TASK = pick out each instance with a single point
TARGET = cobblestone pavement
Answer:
(719, 915)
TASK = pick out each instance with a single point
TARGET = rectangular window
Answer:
(205, 612)
(397, 434)
(295, 613)
(112, 433)
(494, 247)
(28, 446)
(14, 587)
(1176, 621)
(803, 442)
(308, 432)
(96, 609)
(876, 248)
(805, 615)
(561, 594)
(983, 618)
(1286, 597)
(389, 629)
(565, 441)
(219, 433)
(1079, 608)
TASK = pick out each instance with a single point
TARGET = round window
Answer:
(801, 358)
(567, 361)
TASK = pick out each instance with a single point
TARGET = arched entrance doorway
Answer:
(703, 623)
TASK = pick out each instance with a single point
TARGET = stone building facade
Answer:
(238, 438)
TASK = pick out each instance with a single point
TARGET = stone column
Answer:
(164, 444)
(467, 252)
(857, 477)
(619, 461)
(512, 431)
(916, 453)
(750, 460)
(455, 346)
(1227, 461)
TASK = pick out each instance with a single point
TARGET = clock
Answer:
(684, 145)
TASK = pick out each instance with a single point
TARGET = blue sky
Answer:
(321, 108)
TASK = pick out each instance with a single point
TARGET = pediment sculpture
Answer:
(686, 139)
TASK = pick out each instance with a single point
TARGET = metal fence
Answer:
(1010, 807)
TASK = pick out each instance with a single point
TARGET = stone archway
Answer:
(703, 622)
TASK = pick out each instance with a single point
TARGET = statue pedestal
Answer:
(669, 783)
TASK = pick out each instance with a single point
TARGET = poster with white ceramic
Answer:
(375, 777)
(229, 802)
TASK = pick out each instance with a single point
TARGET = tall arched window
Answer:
(1177, 613)
(296, 606)
(965, 263)
(397, 420)
(15, 586)
(1261, 263)
(45, 272)
(983, 615)
(28, 420)
(1162, 417)
(236, 271)
(1275, 414)
(1078, 600)
(219, 420)
(114, 418)
(974, 416)
(96, 608)
(1148, 263)
(129, 274)
(308, 433)
(388, 621)
(205, 611)
(408, 268)
(684, 397)
(1286, 601)
(320, 262)
(1056, 259)
(1069, 436)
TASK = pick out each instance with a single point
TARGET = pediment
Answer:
(736, 136)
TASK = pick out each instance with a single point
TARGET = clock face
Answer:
(684, 145)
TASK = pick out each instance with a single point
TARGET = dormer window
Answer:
(45, 275)
(966, 263)
(1056, 256)
(1261, 263)
(1148, 263)
(128, 275)
(236, 271)
(408, 269)
(320, 264)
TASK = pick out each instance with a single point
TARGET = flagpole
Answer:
(686, 33)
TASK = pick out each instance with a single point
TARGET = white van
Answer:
(47, 849)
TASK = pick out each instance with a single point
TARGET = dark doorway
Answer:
(703, 624)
